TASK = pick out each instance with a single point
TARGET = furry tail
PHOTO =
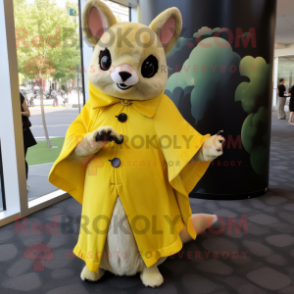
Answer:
(200, 222)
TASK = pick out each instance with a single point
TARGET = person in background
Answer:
(55, 99)
(65, 96)
(50, 90)
(281, 90)
(28, 138)
(291, 106)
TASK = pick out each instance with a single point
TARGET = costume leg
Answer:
(90, 276)
(200, 222)
(151, 277)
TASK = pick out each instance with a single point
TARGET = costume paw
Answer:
(86, 275)
(151, 277)
(213, 148)
(108, 134)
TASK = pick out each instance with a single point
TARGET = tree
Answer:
(45, 33)
(41, 67)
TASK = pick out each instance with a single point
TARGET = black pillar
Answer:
(220, 78)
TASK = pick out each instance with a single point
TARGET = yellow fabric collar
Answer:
(99, 99)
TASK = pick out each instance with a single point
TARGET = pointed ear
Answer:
(168, 27)
(97, 19)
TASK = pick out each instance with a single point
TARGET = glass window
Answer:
(50, 79)
(2, 189)
(121, 12)
(286, 70)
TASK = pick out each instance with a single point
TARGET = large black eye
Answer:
(150, 67)
(105, 59)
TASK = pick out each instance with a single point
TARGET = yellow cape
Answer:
(153, 180)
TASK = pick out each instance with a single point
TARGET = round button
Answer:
(115, 162)
(122, 117)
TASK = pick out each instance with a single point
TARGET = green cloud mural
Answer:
(213, 67)
(255, 130)
(208, 65)
(255, 135)
(251, 93)
(181, 43)
(205, 32)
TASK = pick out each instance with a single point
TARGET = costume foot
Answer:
(86, 275)
(151, 277)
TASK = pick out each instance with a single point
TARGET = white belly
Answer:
(121, 255)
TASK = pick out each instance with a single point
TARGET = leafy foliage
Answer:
(44, 31)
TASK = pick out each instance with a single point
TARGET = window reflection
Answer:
(50, 78)
(2, 188)
(286, 72)
(121, 12)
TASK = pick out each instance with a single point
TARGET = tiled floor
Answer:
(256, 259)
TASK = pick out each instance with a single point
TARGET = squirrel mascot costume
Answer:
(130, 158)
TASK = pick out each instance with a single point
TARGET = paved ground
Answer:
(38, 181)
(57, 120)
(257, 259)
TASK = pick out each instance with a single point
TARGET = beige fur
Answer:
(106, 13)
(210, 150)
(133, 55)
(90, 276)
(121, 244)
(151, 277)
(131, 52)
(129, 261)
(88, 146)
(160, 20)
(200, 223)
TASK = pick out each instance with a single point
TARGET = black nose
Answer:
(125, 75)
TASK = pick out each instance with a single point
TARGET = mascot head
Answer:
(129, 59)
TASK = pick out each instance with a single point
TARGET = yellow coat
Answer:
(153, 180)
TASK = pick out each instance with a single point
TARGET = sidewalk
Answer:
(38, 181)
(37, 110)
